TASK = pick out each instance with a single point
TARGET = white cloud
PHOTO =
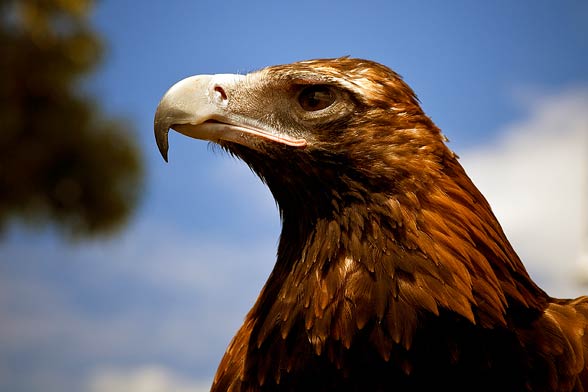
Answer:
(535, 177)
(144, 379)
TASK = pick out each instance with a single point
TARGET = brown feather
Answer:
(392, 271)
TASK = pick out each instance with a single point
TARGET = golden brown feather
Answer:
(392, 271)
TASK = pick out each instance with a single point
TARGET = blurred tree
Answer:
(61, 160)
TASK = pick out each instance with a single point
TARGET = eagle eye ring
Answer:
(317, 97)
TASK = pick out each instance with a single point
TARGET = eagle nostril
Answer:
(220, 94)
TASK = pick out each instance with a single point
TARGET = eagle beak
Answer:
(188, 102)
(198, 107)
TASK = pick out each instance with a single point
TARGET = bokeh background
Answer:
(119, 272)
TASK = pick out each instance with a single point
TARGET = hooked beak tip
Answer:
(163, 152)
(161, 137)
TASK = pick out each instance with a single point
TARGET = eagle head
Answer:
(334, 127)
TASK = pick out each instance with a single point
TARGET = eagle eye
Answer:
(315, 98)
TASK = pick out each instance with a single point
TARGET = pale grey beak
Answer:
(186, 102)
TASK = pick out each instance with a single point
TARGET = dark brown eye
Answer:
(315, 98)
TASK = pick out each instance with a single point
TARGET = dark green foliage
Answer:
(61, 159)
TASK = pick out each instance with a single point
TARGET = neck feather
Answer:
(384, 260)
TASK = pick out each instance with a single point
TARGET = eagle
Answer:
(392, 272)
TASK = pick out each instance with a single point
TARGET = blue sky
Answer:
(158, 302)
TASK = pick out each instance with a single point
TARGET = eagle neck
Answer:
(373, 258)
